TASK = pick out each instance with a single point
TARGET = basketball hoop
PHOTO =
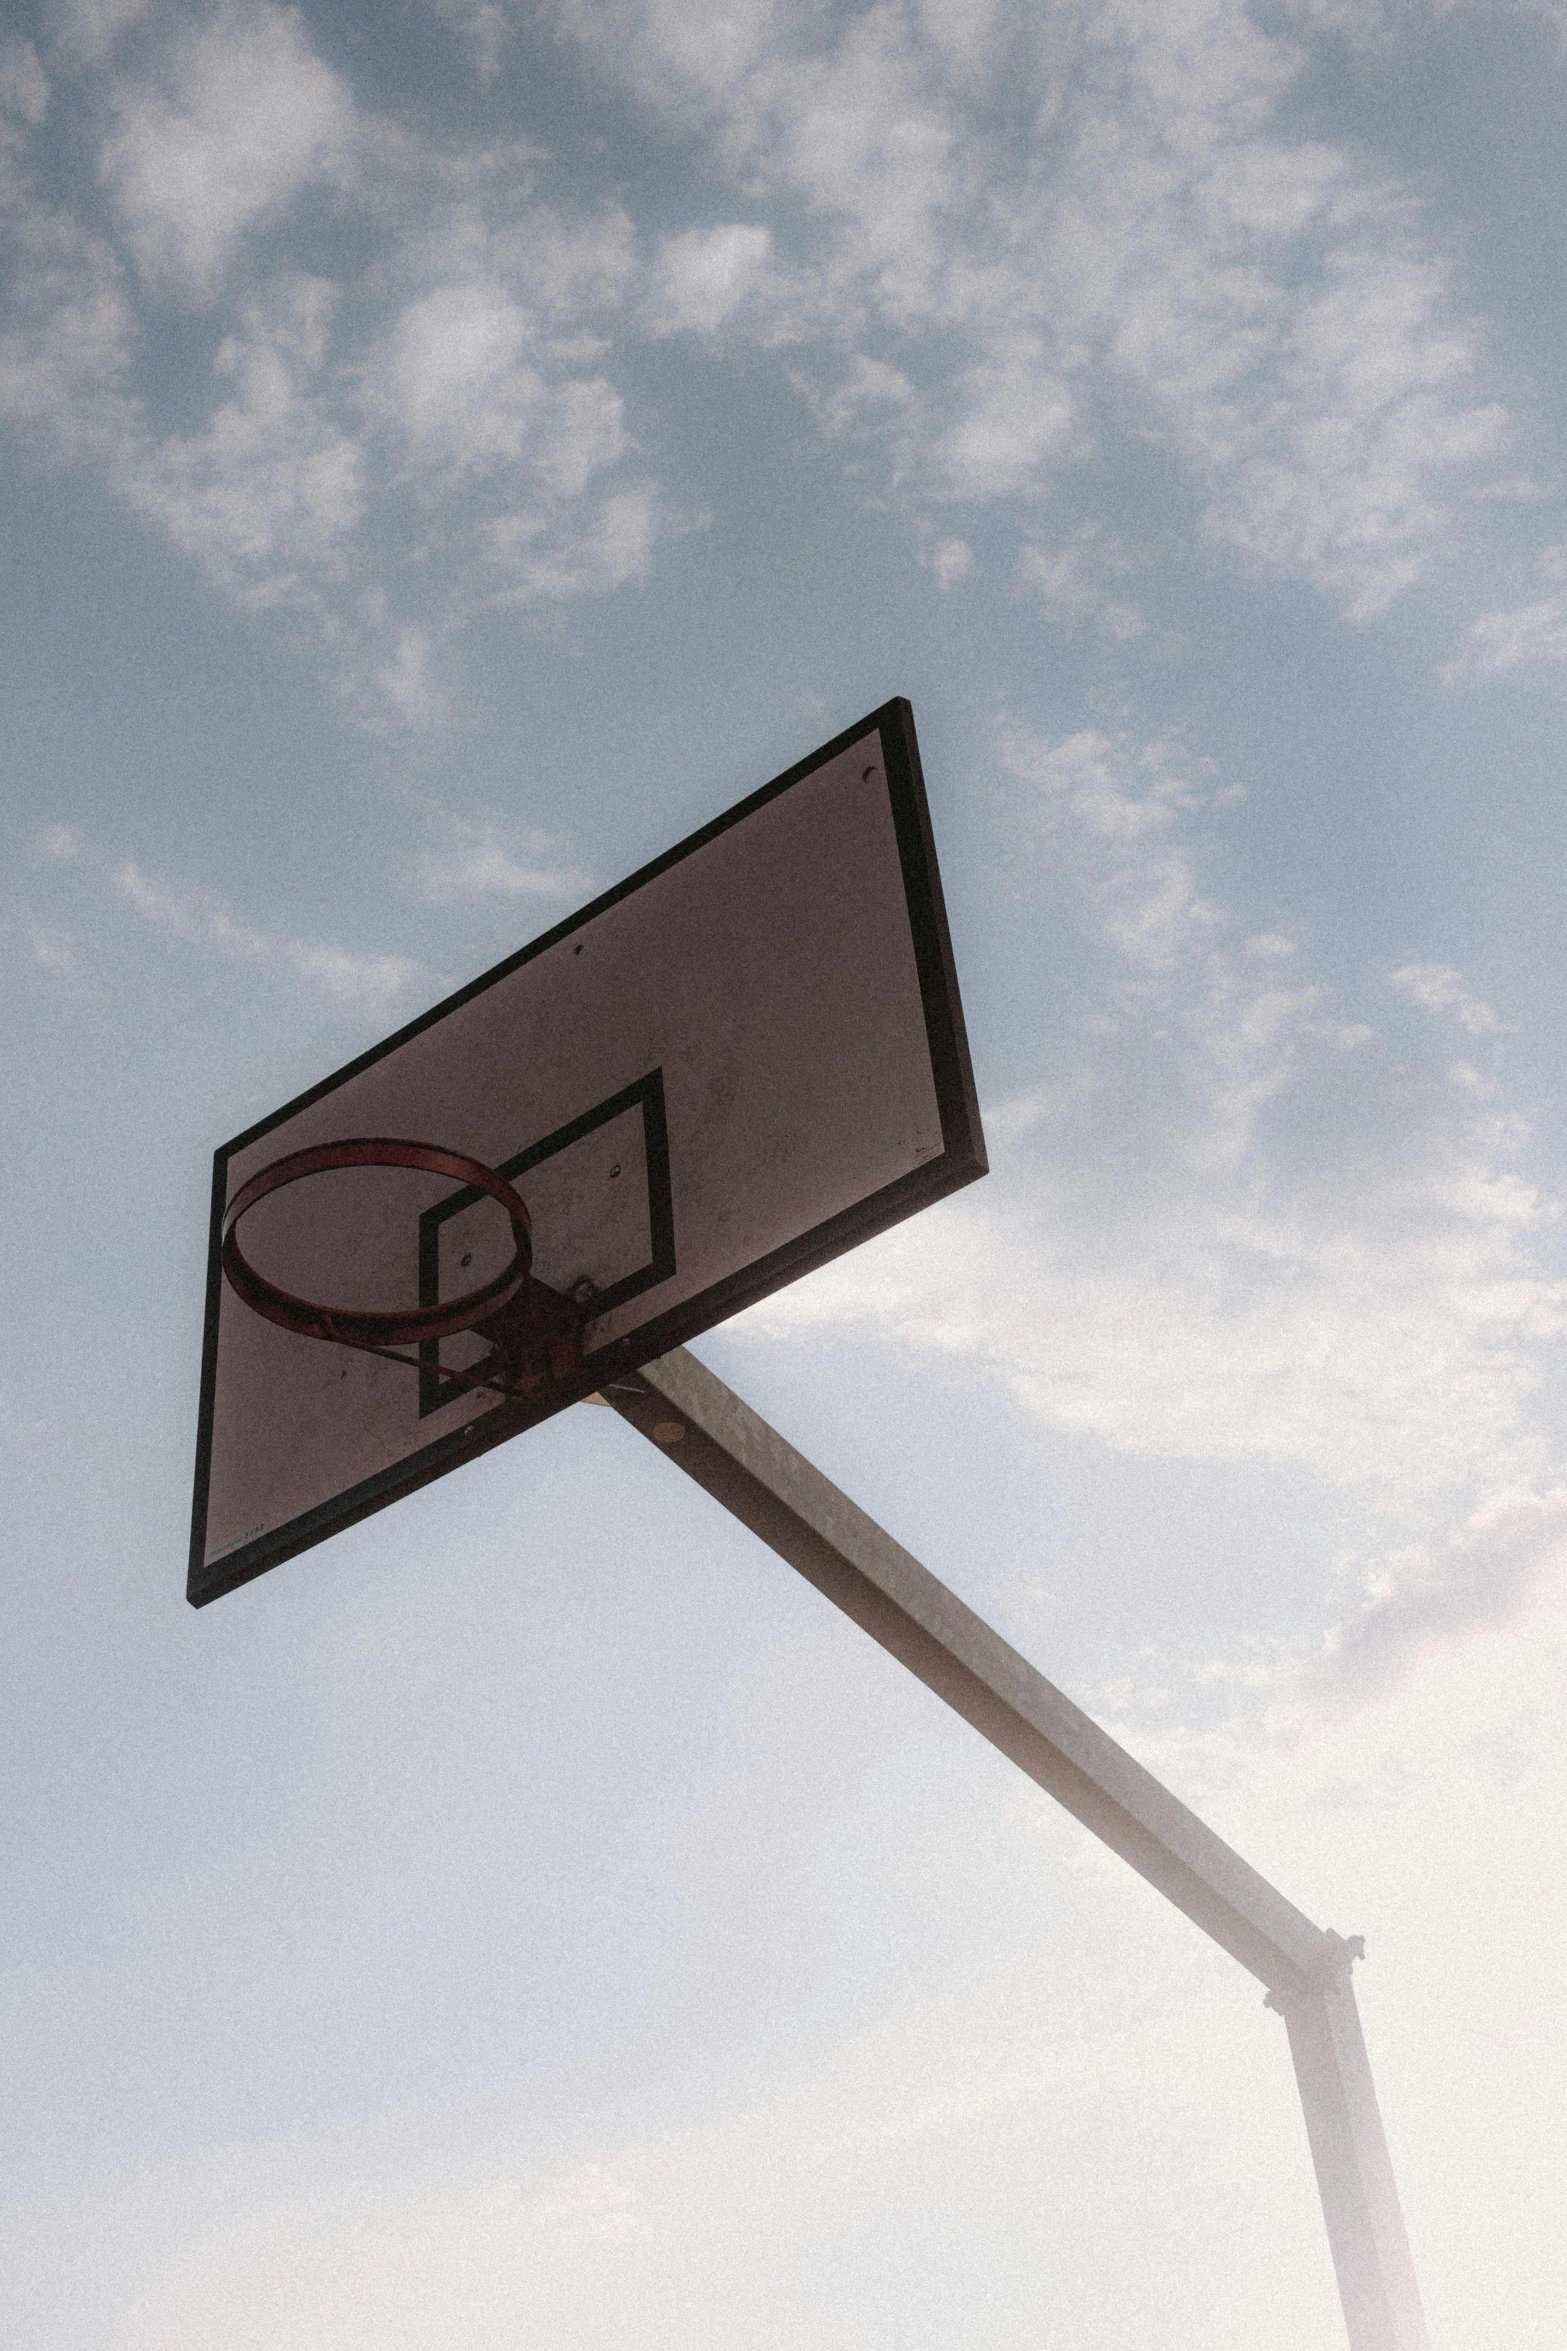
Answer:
(354, 1327)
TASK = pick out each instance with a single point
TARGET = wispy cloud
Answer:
(950, 559)
(270, 493)
(703, 277)
(1537, 631)
(1500, 641)
(24, 87)
(1439, 987)
(1230, 1225)
(388, 450)
(1077, 582)
(482, 28)
(82, 31)
(241, 115)
(975, 314)
(437, 421)
(59, 843)
(354, 981)
(488, 861)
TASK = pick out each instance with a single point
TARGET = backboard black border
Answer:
(961, 1160)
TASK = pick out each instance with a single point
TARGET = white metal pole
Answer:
(732, 1453)
(1376, 2276)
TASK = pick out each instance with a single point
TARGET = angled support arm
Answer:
(747, 1466)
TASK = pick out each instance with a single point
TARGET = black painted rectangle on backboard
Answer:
(738, 1063)
(596, 1287)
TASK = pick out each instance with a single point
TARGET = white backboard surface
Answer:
(734, 1066)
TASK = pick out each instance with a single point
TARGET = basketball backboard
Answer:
(720, 1074)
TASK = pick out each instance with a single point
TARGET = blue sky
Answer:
(449, 451)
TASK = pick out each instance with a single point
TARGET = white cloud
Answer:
(1384, 1336)
(1088, 778)
(451, 378)
(252, 116)
(82, 31)
(354, 981)
(1514, 490)
(606, 553)
(1064, 578)
(1501, 641)
(1012, 411)
(1438, 987)
(487, 860)
(24, 86)
(488, 869)
(1266, 310)
(573, 273)
(66, 329)
(1225, 1225)
(866, 394)
(269, 492)
(951, 560)
(974, 316)
(385, 455)
(459, 379)
(704, 275)
(482, 28)
(58, 842)
(406, 681)
(587, 434)
(1277, 314)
